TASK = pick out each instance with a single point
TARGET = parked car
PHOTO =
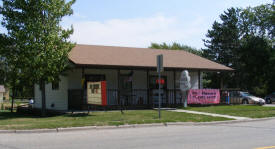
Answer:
(240, 97)
(248, 98)
(270, 98)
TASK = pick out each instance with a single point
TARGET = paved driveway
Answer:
(245, 135)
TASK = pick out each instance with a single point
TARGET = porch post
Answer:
(199, 77)
(82, 76)
(82, 84)
(148, 87)
(118, 86)
(175, 99)
(221, 79)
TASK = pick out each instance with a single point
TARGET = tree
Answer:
(271, 80)
(242, 38)
(255, 55)
(41, 45)
(222, 45)
(175, 46)
(258, 21)
(10, 73)
(11, 76)
(3, 64)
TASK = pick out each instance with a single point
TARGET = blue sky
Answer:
(137, 23)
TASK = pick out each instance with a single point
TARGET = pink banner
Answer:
(203, 96)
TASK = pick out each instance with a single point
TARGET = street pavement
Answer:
(244, 135)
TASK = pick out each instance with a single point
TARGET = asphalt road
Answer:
(245, 135)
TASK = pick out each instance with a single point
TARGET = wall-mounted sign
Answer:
(96, 93)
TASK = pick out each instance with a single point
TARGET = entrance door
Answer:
(126, 90)
(154, 88)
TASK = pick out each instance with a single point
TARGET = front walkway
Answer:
(211, 114)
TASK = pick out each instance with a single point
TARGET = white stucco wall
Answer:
(57, 97)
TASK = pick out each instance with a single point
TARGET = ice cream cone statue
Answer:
(185, 85)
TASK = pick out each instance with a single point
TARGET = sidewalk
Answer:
(211, 114)
(269, 105)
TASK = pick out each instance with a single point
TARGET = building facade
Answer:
(130, 74)
(2, 93)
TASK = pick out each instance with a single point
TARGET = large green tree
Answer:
(222, 44)
(9, 67)
(10, 71)
(255, 57)
(244, 40)
(176, 46)
(41, 45)
(3, 63)
(259, 20)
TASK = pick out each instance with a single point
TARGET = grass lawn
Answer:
(252, 111)
(18, 121)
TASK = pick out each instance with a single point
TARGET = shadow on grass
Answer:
(8, 115)
(78, 115)
(27, 114)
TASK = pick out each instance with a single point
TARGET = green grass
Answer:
(252, 111)
(18, 121)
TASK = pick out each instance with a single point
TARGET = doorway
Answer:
(154, 89)
(125, 88)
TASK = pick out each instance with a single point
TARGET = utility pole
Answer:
(159, 70)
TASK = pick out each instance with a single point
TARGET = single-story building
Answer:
(7, 93)
(130, 75)
(2, 92)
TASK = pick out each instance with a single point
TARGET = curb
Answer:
(36, 131)
(56, 130)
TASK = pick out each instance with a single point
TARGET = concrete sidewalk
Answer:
(211, 114)
(269, 105)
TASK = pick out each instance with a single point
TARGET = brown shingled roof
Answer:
(139, 57)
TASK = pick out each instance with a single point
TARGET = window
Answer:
(55, 85)
(93, 78)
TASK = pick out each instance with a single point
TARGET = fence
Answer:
(6, 104)
(134, 98)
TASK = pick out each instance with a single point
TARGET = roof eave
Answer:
(147, 67)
